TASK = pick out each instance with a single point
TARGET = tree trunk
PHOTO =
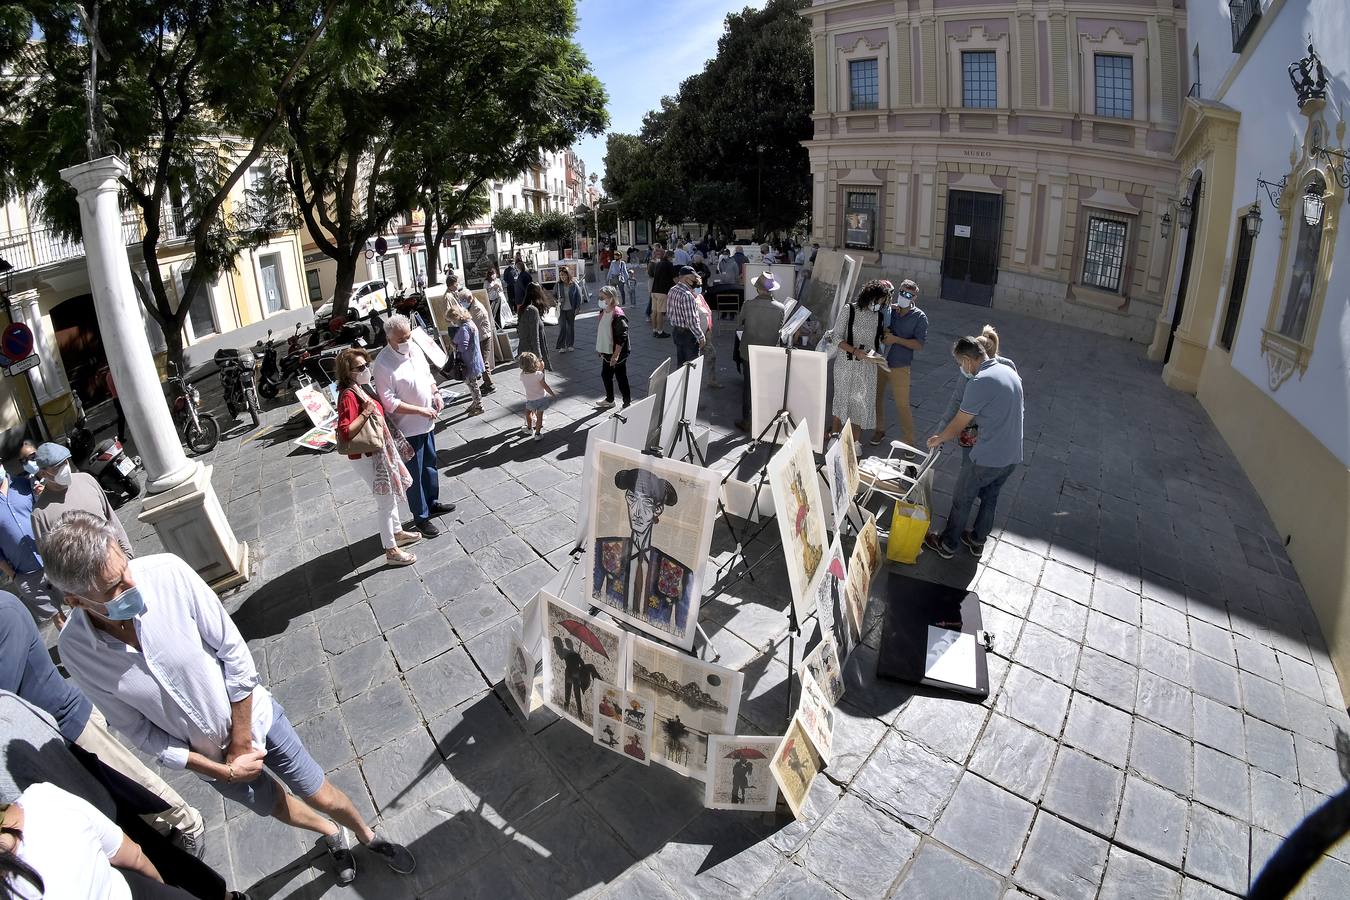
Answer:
(433, 250)
(346, 277)
(173, 344)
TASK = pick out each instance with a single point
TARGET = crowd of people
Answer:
(153, 656)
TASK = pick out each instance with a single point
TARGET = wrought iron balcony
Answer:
(42, 246)
(1245, 15)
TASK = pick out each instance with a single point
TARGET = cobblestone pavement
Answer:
(1162, 707)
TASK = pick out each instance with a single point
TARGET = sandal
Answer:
(474, 411)
(399, 558)
(407, 538)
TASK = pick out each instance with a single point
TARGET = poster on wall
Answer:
(805, 395)
(651, 526)
(690, 699)
(478, 252)
(580, 652)
(641, 234)
(800, 516)
(738, 773)
(625, 233)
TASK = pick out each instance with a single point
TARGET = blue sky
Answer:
(640, 56)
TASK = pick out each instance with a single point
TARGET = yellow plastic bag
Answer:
(909, 523)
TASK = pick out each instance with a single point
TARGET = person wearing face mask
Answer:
(407, 390)
(906, 329)
(29, 466)
(187, 691)
(993, 398)
(65, 490)
(20, 563)
(857, 333)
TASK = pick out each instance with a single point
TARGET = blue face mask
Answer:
(30, 466)
(127, 605)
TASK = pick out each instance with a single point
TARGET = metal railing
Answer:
(1245, 15)
(43, 246)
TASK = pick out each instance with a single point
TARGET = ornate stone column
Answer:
(49, 381)
(181, 503)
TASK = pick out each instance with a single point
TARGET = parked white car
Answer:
(366, 296)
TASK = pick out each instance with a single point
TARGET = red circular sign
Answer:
(17, 341)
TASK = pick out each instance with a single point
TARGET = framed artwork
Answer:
(520, 675)
(738, 773)
(477, 251)
(690, 701)
(832, 604)
(862, 567)
(580, 652)
(841, 469)
(816, 713)
(627, 427)
(795, 765)
(870, 546)
(805, 395)
(822, 666)
(622, 723)
(647, 545)
(317, 438)
(317, 407)
(801, 517)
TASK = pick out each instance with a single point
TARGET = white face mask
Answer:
(362, 377)
(62, 475)
(903, 301)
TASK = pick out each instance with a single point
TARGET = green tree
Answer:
(699, 153)
(148, 80)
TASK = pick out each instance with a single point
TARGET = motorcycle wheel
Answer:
(268, 390)
(254, 407)
(206, 437)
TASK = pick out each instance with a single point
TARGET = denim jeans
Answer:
(984, 483)
(686, 345)
(567, 328)
(426, 481)
(622, 288)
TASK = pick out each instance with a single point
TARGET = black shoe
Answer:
(426, 528)
(339, 847)
(934, 542)
(398, 857)
(489, 388)
(975, 547)
(442, 509)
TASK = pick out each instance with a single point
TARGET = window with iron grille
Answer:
(1104, 255)
(863, 92)
(860, 219)
(1245, 15)
(1115, 86)
(1238, 288)
(979, 79)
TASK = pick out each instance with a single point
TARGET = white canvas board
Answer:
(805, 395)
(436, 356)
(950, 657)
(801, 518)
(520, 675)
(316, 406)
(627, 427)
(738, 773)
(647, 546)
(656, 390)
(676, 400)
(580, 652)
(692, 699)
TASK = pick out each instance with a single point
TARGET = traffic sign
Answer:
(17, 341)
(23, 365)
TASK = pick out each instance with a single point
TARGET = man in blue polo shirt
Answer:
(906, 331)
(19, 560)
(993, 400)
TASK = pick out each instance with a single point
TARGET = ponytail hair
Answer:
(10, 868)
(988, 339)
(969, 348)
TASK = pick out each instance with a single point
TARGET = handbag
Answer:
(368, 439)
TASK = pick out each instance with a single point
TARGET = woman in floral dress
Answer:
(857, 332)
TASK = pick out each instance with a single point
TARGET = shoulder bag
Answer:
(368, 439)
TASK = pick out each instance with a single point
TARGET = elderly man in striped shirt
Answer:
(684, 316)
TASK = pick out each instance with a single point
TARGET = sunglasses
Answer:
(361, 368)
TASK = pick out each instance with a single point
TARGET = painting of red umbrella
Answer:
(738, 773)
(745, 753)
(582, 632)
(581, 652)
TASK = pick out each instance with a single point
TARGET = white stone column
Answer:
(49, 380)
(182, 504)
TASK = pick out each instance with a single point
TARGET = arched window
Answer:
(1291, 320)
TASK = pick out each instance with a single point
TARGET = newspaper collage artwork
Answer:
(690, 700)
(623, 723)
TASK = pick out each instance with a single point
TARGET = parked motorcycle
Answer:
(199, 431)
(236, 377)
(277, 369)
(108, 462)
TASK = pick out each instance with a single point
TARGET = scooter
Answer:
(236, 377)
(198, 430)
(277, 370)
(107, 461)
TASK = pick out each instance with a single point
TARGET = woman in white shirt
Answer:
(67, 849)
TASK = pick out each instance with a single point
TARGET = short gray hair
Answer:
(75, 553)
(397, 322)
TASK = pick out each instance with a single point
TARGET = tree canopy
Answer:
(727, 148)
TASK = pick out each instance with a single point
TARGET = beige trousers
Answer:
(898, 379)
(98, 740)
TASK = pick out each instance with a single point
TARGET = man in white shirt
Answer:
(152, 646)
(407, 390)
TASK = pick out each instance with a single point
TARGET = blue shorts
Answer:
(286, 759)
(539, 405)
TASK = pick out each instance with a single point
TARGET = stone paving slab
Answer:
(1162, 712)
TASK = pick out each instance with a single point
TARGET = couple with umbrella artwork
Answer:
(578, 673)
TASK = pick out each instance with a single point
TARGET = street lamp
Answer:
(1313, 205)
(1253, 219)
(759, 189)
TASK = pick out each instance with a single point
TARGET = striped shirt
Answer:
(682, 309)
